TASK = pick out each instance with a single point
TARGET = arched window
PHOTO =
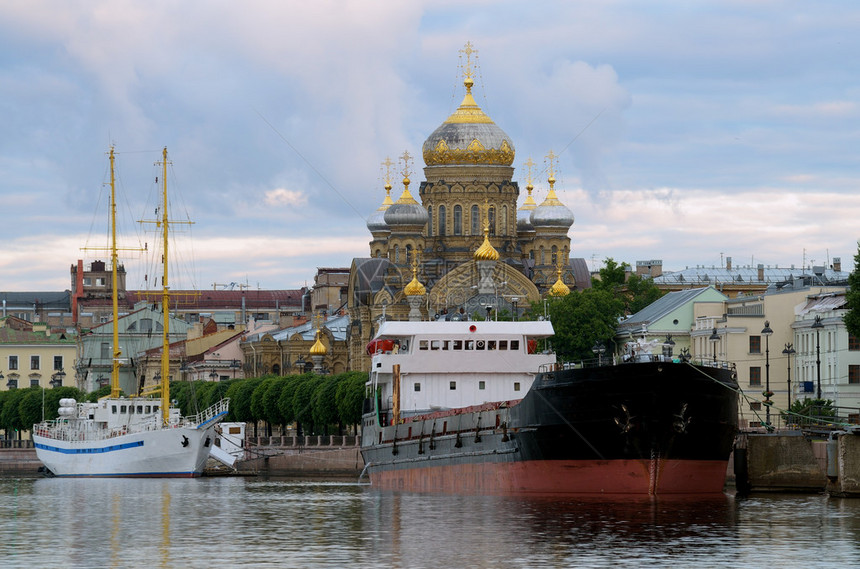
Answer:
(541, 256)
(430, 221)
(491, 220)
(408, 254)
(504, 220)
(442, 220)
(396, 254)
(476, 220)
(458, 220)
(554, 256)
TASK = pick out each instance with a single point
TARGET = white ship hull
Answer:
(172, 452)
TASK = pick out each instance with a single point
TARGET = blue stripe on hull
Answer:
(189, 474)
(99, 450)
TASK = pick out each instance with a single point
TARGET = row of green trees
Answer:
(321, 405)
(20, 408)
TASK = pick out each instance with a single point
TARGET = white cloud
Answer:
(284, 197)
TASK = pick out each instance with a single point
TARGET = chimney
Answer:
(728, 263)
(761, 272)
(837, 264)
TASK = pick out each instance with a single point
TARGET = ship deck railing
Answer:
(76, 429)
(212, 412)
(640, 358)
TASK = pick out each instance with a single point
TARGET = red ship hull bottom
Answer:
(573, 477)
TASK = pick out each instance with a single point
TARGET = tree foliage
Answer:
(612, 276)
(852, 296)
(350, 397)
(325, 404)
(582, 319)
(303, 402)
(635, 291)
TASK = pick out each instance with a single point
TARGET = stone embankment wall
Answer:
(312, 456)
(19, 460)
(780, 462)
(843, 465)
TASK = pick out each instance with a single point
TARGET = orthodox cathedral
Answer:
(464, 250)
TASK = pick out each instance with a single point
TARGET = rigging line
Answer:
(748, 399)
(580, 133)
(311, 166)
(569, 424)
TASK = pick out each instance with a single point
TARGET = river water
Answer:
(257, 522)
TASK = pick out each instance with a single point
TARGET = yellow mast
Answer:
(117, 351)
(165, 301)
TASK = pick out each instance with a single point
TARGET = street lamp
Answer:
(788, 351)
(817, 326)
(668, 346)
(11, 384)
(57, 378)
(714, 339)
(213, 376)
(766, 332)
(599, 349)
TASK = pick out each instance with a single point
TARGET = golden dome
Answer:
(468, 136)
(414, 288)
(486, 252)
(559, 288)
(318, 349)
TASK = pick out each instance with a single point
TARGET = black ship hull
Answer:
(636, 428)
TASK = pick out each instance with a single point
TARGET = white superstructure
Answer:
(455, 364)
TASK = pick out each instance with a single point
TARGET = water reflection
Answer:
(236, 522)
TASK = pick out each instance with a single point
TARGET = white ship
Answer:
(129, 436)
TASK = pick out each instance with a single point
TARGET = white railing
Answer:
(213, 411)
(83, 430)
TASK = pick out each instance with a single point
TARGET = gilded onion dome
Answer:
(468, 136)
(376, 221)
(551, 213)
(524, 222)
(559, 288)
(486, 252)
(406, 211)
(414, 288)
(318, 349)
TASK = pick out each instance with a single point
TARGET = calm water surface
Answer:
(254, 522)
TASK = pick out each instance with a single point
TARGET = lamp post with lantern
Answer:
(767, 332)
(817, 326)
(788, 351)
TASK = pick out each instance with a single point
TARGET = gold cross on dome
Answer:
(468, 50)
(529, 164)
(551, 158)
(388, 164)
(406, 158)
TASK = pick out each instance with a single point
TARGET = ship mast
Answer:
(165, 301)
(117, 351)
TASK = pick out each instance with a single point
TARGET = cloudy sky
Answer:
(687, 131)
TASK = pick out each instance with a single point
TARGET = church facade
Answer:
(466, 249)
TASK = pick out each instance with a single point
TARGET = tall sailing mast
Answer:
(165, 299)
(164, 384)
(117, 351)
